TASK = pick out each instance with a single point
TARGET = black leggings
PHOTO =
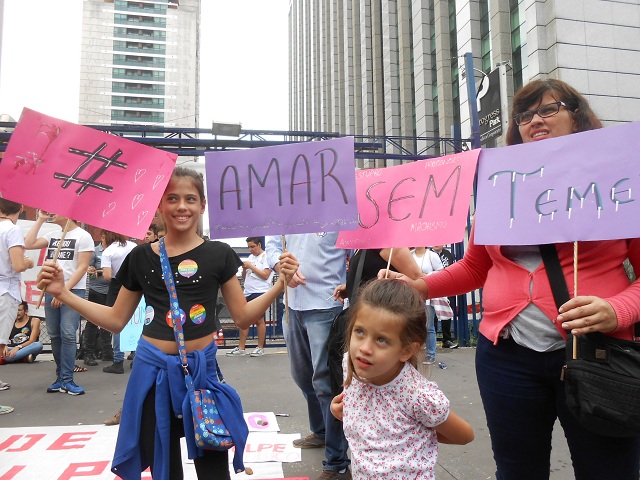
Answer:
(213, 465)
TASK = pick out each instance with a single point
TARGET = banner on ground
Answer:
(295, 188)
(576, 187)
(421, 203)
(84, 174)
(86, 451)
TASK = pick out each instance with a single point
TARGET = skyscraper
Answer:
(394, 67)
(139, 63)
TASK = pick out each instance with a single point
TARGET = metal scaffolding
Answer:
(194, 142)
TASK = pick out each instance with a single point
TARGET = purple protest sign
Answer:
(295, 188)
(572, 188)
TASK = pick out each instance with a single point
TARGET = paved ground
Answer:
(265, 385)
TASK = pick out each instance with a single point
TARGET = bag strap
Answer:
(557, 281)
(359, 268)
(174, 308)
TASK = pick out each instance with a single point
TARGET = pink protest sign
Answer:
(295, 188)
(84, 174)
(418, 204)
(575, 187)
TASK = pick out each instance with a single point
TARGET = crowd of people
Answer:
(388, 415)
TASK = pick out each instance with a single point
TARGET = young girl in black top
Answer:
(151, 423)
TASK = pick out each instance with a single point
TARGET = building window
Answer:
(137, 116)
(455, 79)
(518, 43)
(485, 36)
(434, 75)
(142, 88)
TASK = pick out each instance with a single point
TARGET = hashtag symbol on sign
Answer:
(91, 181)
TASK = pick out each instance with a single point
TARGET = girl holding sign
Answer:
(118, 247)
(152, 423)
(521, 345)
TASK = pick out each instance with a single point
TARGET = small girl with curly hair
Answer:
(393, 416)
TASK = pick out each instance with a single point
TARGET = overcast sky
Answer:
(244, 66)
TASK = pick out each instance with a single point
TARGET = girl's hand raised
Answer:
(288, 266)
(51, 277)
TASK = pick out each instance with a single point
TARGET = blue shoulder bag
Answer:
(211, 430)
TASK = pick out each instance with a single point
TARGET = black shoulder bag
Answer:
(602, 385)
(336, 341)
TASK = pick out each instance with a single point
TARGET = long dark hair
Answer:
(112, 237)
(395, 297)
(531, 94)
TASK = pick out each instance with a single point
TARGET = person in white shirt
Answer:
(257, 280)
(12, 262)
(63, 321)
(429, 262)
(118, 247)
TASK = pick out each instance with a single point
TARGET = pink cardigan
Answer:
(506, 284)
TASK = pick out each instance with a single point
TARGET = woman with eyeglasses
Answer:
(521, 344)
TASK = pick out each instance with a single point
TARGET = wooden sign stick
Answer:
(55, 257)
(575, 290)
(386, 274)
(286, 291)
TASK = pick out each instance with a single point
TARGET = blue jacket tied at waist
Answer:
(153, 365)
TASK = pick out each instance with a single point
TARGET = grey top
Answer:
(531, 328)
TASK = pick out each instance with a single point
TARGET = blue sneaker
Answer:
(72, 389)
(55, 386)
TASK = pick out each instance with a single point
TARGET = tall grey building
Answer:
(139, 62)
(395, 67)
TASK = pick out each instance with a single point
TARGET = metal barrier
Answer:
(465, 327)
(231, 333)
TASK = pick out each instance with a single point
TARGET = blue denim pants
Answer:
(431, 331)
(523, 395)
(118, 355)
(34, 349)
(62, 325)
(306, 337)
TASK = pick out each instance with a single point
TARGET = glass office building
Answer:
(139, 63)
(396, 67)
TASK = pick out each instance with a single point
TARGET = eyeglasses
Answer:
(543, 111)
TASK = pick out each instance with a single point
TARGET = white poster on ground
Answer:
(67, 452)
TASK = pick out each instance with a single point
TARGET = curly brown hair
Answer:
(531, 94)
(395, 297)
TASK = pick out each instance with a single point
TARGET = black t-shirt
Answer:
(20, 335)
(446, 257)
(373, 263)
(198, 275)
